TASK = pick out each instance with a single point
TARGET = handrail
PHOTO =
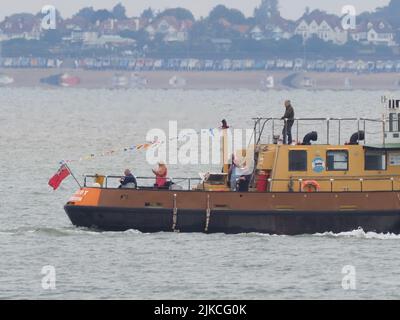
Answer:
(114, 177)
(333, 179)
(261, 122)
(294, 179)
(322, 119)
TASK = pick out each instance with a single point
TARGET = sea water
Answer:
(41, 127)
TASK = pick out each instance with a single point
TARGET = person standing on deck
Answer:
(289, 121)
(232, 178)
(161, 175)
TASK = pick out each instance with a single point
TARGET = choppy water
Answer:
(39, 127)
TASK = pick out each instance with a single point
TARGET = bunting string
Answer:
(145, 146)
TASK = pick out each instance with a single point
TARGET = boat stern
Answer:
(75, 207)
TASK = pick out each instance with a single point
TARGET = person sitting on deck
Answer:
(98, 181)
(128, 181)
(161, 175)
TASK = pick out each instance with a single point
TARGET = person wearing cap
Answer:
(161, 175)
(289, 121)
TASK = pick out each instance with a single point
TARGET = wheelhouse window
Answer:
(297, 160)
(375, 160)
(337, 160)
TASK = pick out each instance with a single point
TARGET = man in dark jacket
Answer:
(128, 181)
(289, 120)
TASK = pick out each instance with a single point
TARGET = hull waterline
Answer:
(151, 220)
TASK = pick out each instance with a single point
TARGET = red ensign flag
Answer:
(56, 180)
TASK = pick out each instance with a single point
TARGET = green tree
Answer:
(267, 10)
(93, 16)
(119, 12)
(86, 13)
(52, 37)
(102, 15)
(234, 16)
(25, 48)
(200, 31)
(178, 13)
(148, 14)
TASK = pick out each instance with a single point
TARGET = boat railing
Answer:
(334, 184)
(113, 181)
(293, 184)
(332, 130)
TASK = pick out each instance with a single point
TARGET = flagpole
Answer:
(73, 176)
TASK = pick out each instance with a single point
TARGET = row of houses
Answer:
(327, 27)
(359, 66)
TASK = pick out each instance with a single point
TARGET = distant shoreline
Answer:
(203, 80)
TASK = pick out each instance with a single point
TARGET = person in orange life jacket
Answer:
(289, 121)
(161, 175)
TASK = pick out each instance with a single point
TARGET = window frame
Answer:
(338, 150)
(306, 160)
(385, 153)
(394, 119)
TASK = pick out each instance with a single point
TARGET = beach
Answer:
(252, 80)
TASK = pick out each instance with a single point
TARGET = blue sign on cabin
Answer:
(318, 165)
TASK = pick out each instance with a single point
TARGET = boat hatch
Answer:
(216, 179)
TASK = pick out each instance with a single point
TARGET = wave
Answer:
(46, 231)
(74, 231)
(360, 234)
(59, 232)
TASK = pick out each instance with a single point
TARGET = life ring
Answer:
(310, 186)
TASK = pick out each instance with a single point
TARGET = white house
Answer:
(165, 25)
(279, 28)
(172, 29)
(256, 33)
(380, 33)
(326, 27)
(377, 32)
(20, 26)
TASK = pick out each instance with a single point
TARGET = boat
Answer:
(138, 81)
(177, 82)
(313, 186)
(62, 80)
(308, 83)
(5, 80)
(348, 83)
(120, 81)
